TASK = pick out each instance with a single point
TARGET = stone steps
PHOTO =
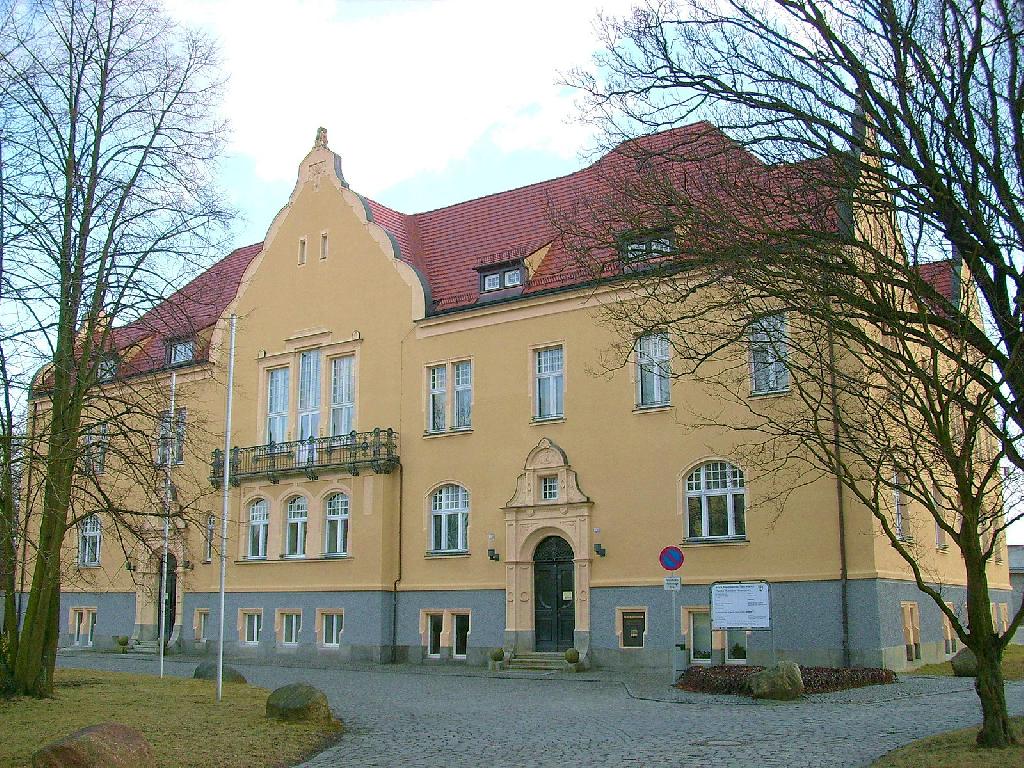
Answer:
(145, 648)
(538, 662)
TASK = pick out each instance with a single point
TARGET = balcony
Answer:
(376, 451)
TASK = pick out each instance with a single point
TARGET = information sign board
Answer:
(742, 605)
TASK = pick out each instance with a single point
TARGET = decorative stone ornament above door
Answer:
(547, 502)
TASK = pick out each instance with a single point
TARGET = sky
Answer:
(427, 103)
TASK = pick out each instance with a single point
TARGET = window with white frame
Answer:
(211, 527)
(549, 383)
(253, 627)
(333, 624)
(716, 501)
(202, 619)
(309, 403)
(549, 488)
(259, 521)
(277, 405)
(336, 525)
(343, 397)
(449, 512)
(171, 442)
(181, 351)
(437, 383)
(107, 368)
(653, 376)
(90, 537)
(949, 636)
(95, 449)
(769, 350)
(295, 533)
(83, 621)
(291, 625)
(640, 250)
(462, 416)
(899, 504)
(512, 277)
(323, 246)
(700, 637)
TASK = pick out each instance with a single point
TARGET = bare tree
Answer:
(107, 122)
(865, 141)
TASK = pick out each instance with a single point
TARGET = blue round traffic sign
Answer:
(671, 558)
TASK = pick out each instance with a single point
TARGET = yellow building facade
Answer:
(432, 459)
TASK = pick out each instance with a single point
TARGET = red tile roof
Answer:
(940, 275)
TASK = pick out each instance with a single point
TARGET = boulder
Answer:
(782, 682)
(107, 745)
(965, 663)
(298, 701)
(207, 670)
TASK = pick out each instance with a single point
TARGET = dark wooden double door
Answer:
(554, 618)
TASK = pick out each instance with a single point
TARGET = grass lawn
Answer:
(180, 717)
(1013, 665)
(955, 749)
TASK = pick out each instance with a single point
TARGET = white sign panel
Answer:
(740, 606)
(672, 583)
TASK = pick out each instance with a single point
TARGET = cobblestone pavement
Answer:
(414, 716)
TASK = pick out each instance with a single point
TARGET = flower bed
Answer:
(732, 679)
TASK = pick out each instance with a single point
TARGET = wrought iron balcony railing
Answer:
(376, 450)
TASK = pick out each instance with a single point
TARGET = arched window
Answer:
(715, 501)
(259, 519)
(295, 535)
(449, 519)
(336, 525)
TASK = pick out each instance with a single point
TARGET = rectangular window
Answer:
(336, 525)
(492, 282)
(333, 625)
(634, 629)
(949, 635)
(700, 637)
(107, 368)
(83, 622)
(736, 646)
(549, 488)
(638, 252)
(438, 393)
(253, 627)
(309, 404)
(653, 376)
(169, 444)
(343, 398)
(461, 622)
(512, 278)
(95, 449)
(89, 540)
(295, 531)
(291, 625)
(911, 631)
(549, 383)
(277, 405)
(768, 353)
(449, 512)
(323, 246)
(211, 527)
(302, 251)
(463, 411)
(899, 504)
(259, 521)
(181, 351)
(435, 623)
(202, 618)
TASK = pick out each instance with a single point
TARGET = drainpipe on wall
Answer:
(840, 502)
(394, 587)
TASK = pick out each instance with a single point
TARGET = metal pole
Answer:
(675, 638)
(169, 447)
(224, 511)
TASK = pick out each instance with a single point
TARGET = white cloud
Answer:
(403, 88)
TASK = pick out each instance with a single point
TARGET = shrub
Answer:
(572, 656)
(498, 654)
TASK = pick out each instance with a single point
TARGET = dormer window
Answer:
(639, 250)
(181, 351)
(107, 368)
(492, 282)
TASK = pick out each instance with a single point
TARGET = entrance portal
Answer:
(554, 596)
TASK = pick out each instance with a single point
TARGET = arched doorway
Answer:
(171, 598)
(554, 618)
